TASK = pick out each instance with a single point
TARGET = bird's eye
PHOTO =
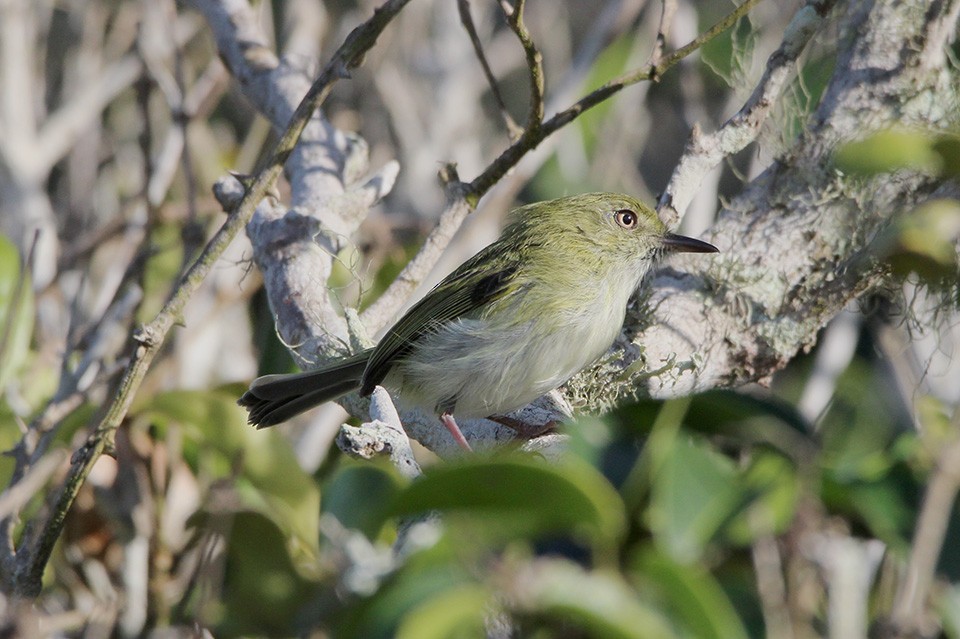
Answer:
(626, 219)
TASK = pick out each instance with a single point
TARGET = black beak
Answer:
(682, 244)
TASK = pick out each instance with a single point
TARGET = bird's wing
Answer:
(473, 285)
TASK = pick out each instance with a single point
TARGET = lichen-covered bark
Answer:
(796, 244)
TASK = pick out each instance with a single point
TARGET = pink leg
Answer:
(451, 425)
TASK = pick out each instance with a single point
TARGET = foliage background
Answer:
(821, 505)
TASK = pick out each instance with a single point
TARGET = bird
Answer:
(513, 322)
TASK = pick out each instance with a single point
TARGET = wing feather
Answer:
(469, 288)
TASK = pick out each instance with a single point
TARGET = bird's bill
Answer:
(684, 244)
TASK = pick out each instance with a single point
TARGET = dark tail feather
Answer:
(276, 398)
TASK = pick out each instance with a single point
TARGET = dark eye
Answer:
(626, 219)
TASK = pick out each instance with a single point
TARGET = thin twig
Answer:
(509, 158)
(704, 152)
(192, 231)
(463, 197)
(147, 341)
(938, 503)
(514, 130)
(457, 209)
(534, 65)
(666, 21)
(59, 133)
(14, 497)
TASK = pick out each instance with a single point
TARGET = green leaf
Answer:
(888, 151)
(425, 576)
(600, 602)
(700, 604)
(948, 148)
(16, 311)
(888, 506)
(774, 486)
(752, 419)
(457, 612)
(267, 476)
(519, 496)
(263, 593)
(729, 54)
(923, 241)
(695, 491)
(949, 608)
(359, 495)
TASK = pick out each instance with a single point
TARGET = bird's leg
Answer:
(447, 418)
(525, 430)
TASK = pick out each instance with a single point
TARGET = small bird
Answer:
(515, 321)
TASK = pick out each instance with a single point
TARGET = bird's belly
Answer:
(474, 369)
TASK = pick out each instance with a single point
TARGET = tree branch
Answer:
(149, 339)
(534, 65)
(462, 197)
(796, 244)
(509, 158)
(705, 152)
(513, 129)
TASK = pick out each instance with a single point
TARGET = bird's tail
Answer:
(276, 398)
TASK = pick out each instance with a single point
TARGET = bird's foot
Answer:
(522, 428)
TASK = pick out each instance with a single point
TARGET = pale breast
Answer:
(477, 368)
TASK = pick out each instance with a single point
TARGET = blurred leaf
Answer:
(730, 53)
(772, 481)
(162, 268)
(457, 612)
(936, 428)
(264, 594)
(861, 424)
(518, 495)
(947, 146)
(359, 495)
(699, 602)
(886, 506)
(268, 477)
(746, 419)
(611, 63)
(923, 241)
(600, 602)
(949, 608)
(752, 419)
(694, 492)
(890, 150)
(425, 576)
(393, 263)
(16, 311)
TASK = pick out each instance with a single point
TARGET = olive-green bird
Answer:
(512, 323)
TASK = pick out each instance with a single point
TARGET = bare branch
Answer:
(463, 197)
(704, 152)
(669, 8)
(534, 65)
(938, 502)
(148, 340)
(61, 131)
(383, 434)
(746, 313)
(513, 129)
(513, 154)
